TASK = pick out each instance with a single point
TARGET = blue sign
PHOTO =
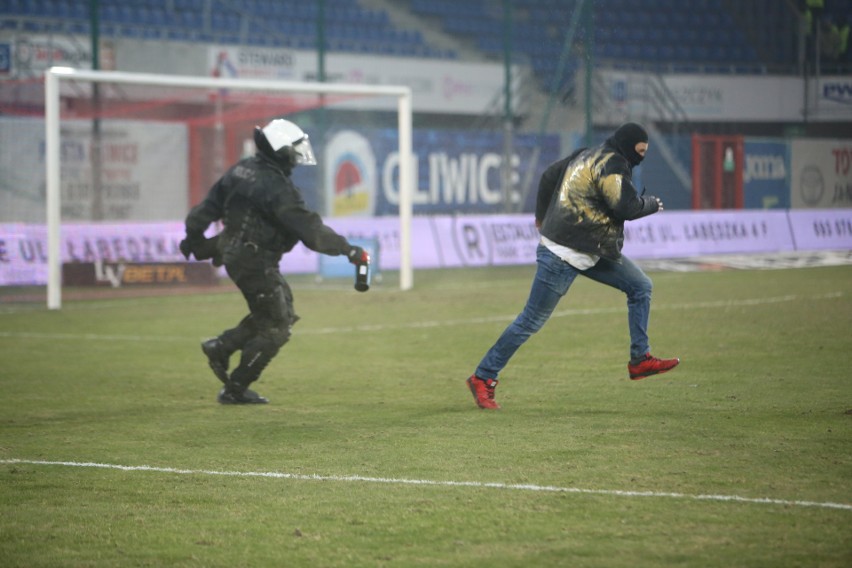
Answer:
(838, 90)
(5, 58)
(766, 175)
(455, 171)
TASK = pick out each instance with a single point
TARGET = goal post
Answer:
(57, 77)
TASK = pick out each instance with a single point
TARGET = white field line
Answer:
(433, 483)
(719, 304)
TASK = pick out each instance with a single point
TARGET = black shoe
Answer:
(217, 358)
(246, 397)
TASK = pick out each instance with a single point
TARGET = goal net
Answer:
(100, 178)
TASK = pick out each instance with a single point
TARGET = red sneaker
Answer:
(483, 392)
(650, 366)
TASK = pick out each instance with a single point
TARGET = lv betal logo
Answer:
(109, 273)
(123, 274)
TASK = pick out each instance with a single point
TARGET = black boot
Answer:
(218, 358)
(248, 396)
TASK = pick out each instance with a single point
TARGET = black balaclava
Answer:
(625, 139)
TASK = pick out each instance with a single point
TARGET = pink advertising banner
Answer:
(695, 233)
(444, 241)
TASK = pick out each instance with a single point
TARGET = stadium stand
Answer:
(274, 23)
(722, 36)
(712, 35)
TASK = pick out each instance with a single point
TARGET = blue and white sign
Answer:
(766, 175)
(455, 172)
(837, 90)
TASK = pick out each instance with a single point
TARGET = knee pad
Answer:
(278, 335)
(256, 355)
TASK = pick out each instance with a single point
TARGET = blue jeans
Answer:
(552, 280)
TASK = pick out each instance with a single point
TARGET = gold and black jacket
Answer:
(583, 201)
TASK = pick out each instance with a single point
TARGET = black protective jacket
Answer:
(261, 208)
(583, 201)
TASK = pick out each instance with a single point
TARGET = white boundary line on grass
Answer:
(428, 482)
(718, 304)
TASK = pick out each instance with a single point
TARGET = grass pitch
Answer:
(376, 455)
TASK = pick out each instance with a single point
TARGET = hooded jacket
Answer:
(583, 200)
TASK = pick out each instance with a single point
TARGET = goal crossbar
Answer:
(54, 75)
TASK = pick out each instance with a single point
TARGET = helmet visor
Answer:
(304, 152)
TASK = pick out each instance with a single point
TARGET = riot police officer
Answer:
(264, 216)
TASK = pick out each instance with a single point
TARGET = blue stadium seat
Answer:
(679, 20)
(109, 13)
(36, 7)
(667, 53)
(648, 52)
(700, 54)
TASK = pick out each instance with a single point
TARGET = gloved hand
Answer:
(202, 248)
(657, 199)
(358, 256)
(187, 246)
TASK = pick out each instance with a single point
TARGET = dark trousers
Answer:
(261, 334)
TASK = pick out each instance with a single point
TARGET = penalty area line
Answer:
(438, 483)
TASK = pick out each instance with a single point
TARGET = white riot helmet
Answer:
(284, 142)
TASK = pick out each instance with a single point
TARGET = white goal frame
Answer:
(55, 75)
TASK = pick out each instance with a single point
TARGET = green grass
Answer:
(372, 385)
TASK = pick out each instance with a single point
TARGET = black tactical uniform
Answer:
(264, 216)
